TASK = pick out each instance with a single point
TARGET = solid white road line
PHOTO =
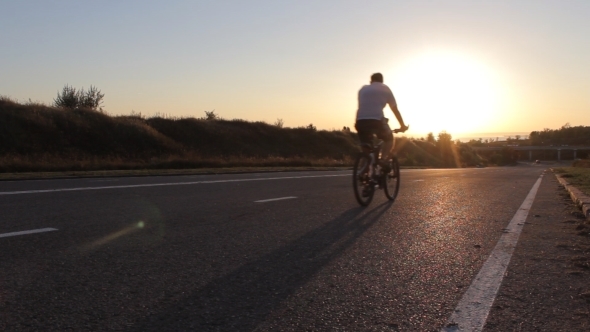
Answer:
(33, 231)
(274, 199)
(473, 309)
(162, 184)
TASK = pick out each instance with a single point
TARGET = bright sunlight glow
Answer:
(439, 91)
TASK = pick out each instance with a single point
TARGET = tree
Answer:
(279, 123)
(90, 99)
(430, 138)
(447, 149)
(67, 98)
(444, 137)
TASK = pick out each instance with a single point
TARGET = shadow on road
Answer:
(240, 301)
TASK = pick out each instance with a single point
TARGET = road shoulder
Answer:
(546, 285)
(580, 199)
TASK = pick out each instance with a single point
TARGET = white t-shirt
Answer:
(372, 100)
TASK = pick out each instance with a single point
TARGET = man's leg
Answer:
(387, 148)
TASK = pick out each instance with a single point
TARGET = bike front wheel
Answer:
(364, 188)
(392, 180)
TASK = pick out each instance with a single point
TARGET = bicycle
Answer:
(368, 174)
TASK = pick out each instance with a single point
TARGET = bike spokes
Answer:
(392, 180)
(364, 187)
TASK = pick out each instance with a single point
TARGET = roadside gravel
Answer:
(546, 287)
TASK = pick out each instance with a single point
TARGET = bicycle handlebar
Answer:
(400, 130)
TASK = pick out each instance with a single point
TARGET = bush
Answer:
(585, 163)
(71, 98)
(211, 115)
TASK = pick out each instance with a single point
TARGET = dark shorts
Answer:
(367, 128)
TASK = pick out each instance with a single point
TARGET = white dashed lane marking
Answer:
(274, 199)
(33, 231)
(21, 192)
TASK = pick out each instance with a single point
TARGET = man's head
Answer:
(377, 77)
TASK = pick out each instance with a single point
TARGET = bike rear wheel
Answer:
(364, 188)
(392, 180)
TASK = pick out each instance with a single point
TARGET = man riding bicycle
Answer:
(370, 119)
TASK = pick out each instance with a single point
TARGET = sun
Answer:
(439, 91)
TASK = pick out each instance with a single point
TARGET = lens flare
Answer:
(113, 236)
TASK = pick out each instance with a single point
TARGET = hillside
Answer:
(36, 137)
(40, 138)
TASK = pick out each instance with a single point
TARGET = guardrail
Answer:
(533, 148)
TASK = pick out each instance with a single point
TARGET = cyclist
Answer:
(370, 119)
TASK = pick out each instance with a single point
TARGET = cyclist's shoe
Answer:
(385, 165)
(393, 175)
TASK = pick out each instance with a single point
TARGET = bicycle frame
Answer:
(371, 174)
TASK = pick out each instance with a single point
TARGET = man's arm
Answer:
(393, 105)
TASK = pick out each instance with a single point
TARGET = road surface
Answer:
(253, 252)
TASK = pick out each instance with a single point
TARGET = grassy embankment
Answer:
(578, 175)
(38, 138)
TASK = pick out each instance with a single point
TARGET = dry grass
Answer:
(38, 138)
(579, 177)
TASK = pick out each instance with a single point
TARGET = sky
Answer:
(463, 66)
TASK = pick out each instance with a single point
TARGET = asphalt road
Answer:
(249, 252)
